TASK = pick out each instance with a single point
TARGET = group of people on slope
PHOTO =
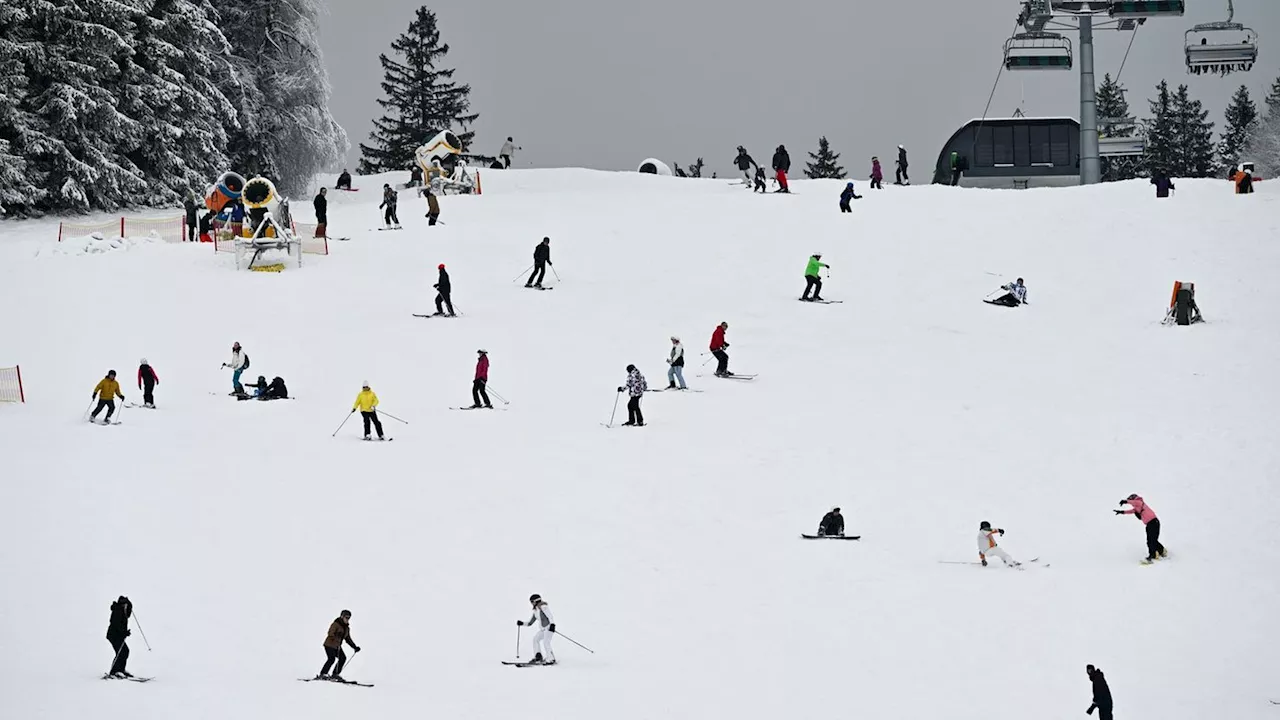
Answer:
(636, 385)
(781, 164)
(108, 389)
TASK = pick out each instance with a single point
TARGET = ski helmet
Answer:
(1132, 496)
(984, 526)
(143, 361)
(630, 368)
(835, 509)
(901, 147)
(111, 373)
(482, 351)
(535, 598)
(365, 385)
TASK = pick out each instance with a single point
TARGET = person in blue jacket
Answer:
(846, 196)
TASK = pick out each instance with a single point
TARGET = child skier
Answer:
(635, 387)
(676, 361)
(1139, 508)
(848, 194)
(760, 181)
(546, 624)
(106, 392)
(877, 175)
(987, 545)
(147, 381)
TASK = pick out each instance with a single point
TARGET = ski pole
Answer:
(344, 422)
(704, 362)
(352, 660)
(522, 272)
(517, 641)
(497, 395)
(393, 417)
(553, 272)
(138, 622)
(86, 410)
(615, 409)
(575, 642)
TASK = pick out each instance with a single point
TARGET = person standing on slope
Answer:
(389, 200)
(509, 148)
(321, 205)
(900, 175)
(760, 181)
(1140, 509)
(147, 382)
(546, 624)
(443, 291)
(106, 392)
(239, 363)
(635, 387)
(367, 403)
(987, 545)
(676, 361)
(541, 259)
(117, 631)
(744, 163)
(192, 222)
(877, 175)
(782, 166)
(848, 194)
(478, 394)
(339, 632)
(1101, 693)
(832, 524)
(433, 207)
(718, 347)
(1163, 184)
(812, 278)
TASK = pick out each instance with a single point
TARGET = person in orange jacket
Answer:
(106, 391)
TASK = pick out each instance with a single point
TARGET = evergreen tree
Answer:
(1195, 135)
(1162, 139)
(20, 186)
(695, 170)
(824, 162)
(1115, 121)
(282, 128)
(1273, 98)
(421, 99)
(1242, 122)
(1263, 146)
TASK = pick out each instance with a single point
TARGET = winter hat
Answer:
(850, 184)
(143, 361)
(630, 368)
(984, 526)
(440, 266)
(482, 351)
(835, 509)
(675, 338)
(345, 613)
(535, 597)
(111, 373)
(901, 147)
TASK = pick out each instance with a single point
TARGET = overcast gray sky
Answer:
(605, 83)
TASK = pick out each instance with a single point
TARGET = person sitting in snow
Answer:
(846, 196)
(276, 390)
(259, 389)
(832, 524)
(987, 545)
(344, 181)
(1015, 294)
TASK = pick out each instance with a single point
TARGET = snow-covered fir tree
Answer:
(283, 129)
(1263, 146)
(20, 189)
(1195, 136)
(1162, 141)
(1242, 122)
(1115, 121)
(422, 99)
(1273, 98)
(824, 162)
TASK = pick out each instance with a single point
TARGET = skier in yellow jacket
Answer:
(106, 391)
(367, 403)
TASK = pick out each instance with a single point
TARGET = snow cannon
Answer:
(258, 193)
(653, 166)
(229, 187)
(444, 147)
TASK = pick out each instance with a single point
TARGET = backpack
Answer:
(246, 362)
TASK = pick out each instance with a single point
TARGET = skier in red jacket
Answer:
(718, 346)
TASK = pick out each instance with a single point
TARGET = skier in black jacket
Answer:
(745, 163)
(832, 523)
(1101, 693)
(900, 175)
(782, 166)
(147, 381)
(321, 205)
(443, 289)
(117, 631)
(541, 259)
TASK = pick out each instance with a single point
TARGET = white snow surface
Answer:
(241, 529)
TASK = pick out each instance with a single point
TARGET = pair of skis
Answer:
(437, 315)
(336, 682)
(1019, 566)
(831, 537)
(531, 663)
(821, 302)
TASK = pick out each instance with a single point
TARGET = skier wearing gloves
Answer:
(832, 524)
(239, 363)
(478, 394)
(339, 632)
(744, 163)
(367, 403)
(635, 387)
(848, 194)
(1140, 509)
(390, 198)
(444, 290)
(782, 166)
(117, 631)
(718, 346)
(900, 174)
(1101, 693)
(676, 361)
(106, 392)
(546, 624)
(541, 259)
(812, 279)
(147, 381)
(987, 545)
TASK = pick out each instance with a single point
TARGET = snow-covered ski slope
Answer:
(241, 529)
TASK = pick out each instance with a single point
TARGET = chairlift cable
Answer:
(990, 98)
(1132, 37)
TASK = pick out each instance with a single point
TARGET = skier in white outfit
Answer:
(987, 545)
(546, 624)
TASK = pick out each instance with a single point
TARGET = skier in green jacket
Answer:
(812, 279)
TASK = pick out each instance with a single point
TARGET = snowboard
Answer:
(527, 664)
(336, 682)
(831, 537)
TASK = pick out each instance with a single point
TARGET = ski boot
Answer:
(336, 678)
(671, 386)
(368, 437)
(488, 406)
(537, 658)
(474, 406)
(1149, 560)
(1164, 552)
(528, 285)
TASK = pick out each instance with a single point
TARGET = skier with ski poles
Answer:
(635, 387)
(389, 200)
(478, 394)
(239, 363)
(117, 631)
(367, 403)
(676, 361)
(1101, 693)
(106, 391)
(443, 291)
(147, 381)
(987, 545)
(339, 632)
(812, 278)
(541, 259)
(546, 624)
(718, 346)
(1141, 510)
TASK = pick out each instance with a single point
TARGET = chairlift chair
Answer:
(1221, 47)
(1037, 51)
(1147, 8)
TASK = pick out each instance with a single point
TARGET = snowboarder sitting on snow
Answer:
(1101, 693)
(846, 196)
(344, 181)
(275, 391)
(813, 281)
(832, 524)
(987, 545)
(339, 632)
(147, 381)
(106, 392)
(1141, 510)
(1015, 295)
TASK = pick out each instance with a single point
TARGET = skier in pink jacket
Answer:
(1139, 508)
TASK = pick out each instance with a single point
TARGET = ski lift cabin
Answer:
(1122, 9)
(1037, 51)
(1019, 152)
(1220, 48)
